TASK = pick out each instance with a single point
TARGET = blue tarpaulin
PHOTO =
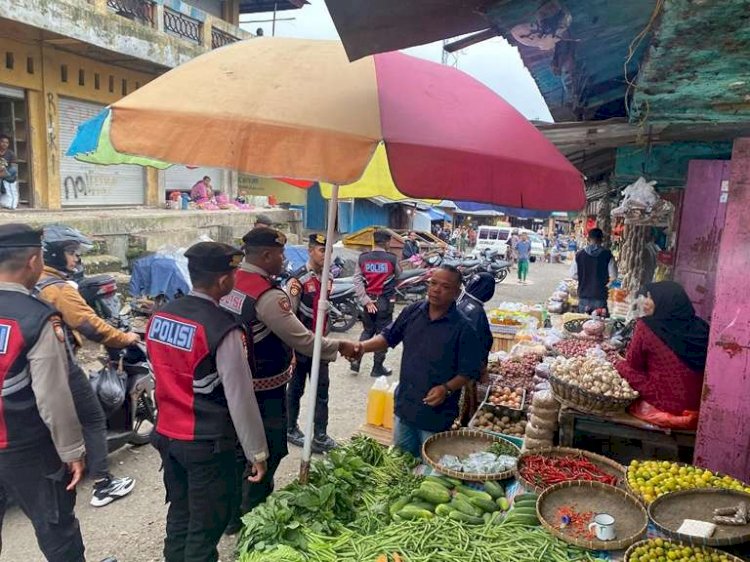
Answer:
(436, 215)
(470, 207)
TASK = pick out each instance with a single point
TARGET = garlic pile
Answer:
(594, 375)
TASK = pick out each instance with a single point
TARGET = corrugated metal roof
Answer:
(576, 50)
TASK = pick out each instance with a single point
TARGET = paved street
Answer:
(132, 529)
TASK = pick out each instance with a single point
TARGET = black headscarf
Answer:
(675, 323)
(481, 286)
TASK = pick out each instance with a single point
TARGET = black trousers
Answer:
(296, 389)
(200, 478)
(37, 479)
(373, 324)
(272, 405)
(93, 423)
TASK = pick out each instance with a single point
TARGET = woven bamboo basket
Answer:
(630, 553)
(678, 464)
(670, 510)
(631, 519)
(462, 443)
(607, 465)
(585, 401)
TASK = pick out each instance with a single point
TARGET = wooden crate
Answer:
(502, 342)
(382, 435)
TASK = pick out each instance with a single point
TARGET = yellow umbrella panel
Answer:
(375, 182)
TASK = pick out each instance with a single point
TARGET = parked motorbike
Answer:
(495, 264)
(342, 305)
(411, 285)
(134, 420)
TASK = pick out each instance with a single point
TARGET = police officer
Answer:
(304, 291)
(206, 403)
(266, 312)
(41, 444)
(375, 285)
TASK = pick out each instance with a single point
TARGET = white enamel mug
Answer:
(603, 526)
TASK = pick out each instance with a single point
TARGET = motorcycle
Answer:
(134, 420)
(343, 306)
(494, 263)
(411, 284)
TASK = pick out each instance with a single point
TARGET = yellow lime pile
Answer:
(659, 549)
(652, 479)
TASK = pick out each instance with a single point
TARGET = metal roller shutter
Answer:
(184, 178)
(83, 184)
(11, 92)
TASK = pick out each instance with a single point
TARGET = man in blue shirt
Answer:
(441, 354)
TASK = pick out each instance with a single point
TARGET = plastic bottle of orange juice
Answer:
(376, 401)
(388, 411)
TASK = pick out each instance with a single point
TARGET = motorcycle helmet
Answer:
(59, 238)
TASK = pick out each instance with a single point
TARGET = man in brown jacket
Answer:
(62, 256)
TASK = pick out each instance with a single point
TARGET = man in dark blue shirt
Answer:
(441, 354)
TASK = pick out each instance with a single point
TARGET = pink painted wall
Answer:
(701, 226)
(723, 441)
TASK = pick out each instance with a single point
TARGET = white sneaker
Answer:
(112, 489)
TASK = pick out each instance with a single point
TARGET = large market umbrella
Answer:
(298, 109)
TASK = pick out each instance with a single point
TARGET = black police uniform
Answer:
(197, 426)
(304, 289)
(377, 270)
(31, 459)
(257, 301)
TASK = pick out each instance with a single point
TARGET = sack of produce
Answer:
(543, 424)
(594, 328)
(544, 399)
(535, 432)
(531, 444)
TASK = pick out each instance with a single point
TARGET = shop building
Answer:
(63, 61)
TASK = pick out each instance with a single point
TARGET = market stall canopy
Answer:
(367, 27)
(444, 132)
(470, 208)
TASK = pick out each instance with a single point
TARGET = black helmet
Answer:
(57, 239)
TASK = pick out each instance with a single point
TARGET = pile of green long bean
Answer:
(435, 540)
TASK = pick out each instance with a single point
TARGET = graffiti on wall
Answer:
(51, 132)
(89, 184)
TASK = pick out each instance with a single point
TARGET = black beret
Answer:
(317, 240)
(213, 256)
(264, 238)
(17, 235)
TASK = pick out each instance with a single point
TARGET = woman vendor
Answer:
(666, 357)
(479, 290)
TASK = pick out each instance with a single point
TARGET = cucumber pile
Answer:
(442, 496)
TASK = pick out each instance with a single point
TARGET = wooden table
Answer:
(381, 434)
(652, 441)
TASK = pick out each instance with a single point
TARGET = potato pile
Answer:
(500, 420)
(506, 396)
(594, 375)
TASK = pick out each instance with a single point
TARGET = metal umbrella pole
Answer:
(304, 468)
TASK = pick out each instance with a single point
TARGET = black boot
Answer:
(380, 370)
(323, 443)
(295, 436)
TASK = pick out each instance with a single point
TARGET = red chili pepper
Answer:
(552, 470)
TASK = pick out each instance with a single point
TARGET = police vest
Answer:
(309, 298)
(379, 272)
(272, 357)
(182, 339)
(21, 323)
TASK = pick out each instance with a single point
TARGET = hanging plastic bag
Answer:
(109, 385)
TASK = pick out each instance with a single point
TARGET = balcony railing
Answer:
(177, 23)
(159, 15)
(136, 10)
(219, 38)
